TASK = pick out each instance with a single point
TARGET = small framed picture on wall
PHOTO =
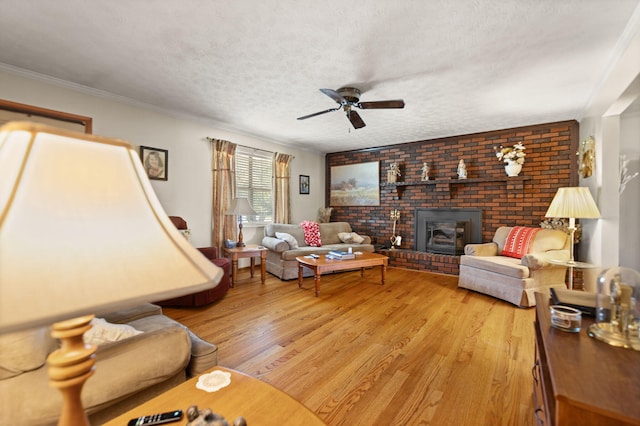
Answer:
(155, 162)
(304, 184)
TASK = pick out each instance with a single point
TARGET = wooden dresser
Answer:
(579, 380)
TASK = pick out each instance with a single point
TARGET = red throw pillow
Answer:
(311, 233)
(518, 241)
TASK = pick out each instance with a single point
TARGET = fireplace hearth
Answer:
(446, 231)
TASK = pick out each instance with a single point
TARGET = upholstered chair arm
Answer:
(209, 252)
(483, 249)
(275, 244)
(541, 260)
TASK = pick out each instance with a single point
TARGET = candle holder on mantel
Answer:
(395, 239)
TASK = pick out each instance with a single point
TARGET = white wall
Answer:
(629, 248)
(187, 192)
(605, 120)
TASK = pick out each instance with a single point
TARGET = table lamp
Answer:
(241, 207)
(573, 203)
(81, 233)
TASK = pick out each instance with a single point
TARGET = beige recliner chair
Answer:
(490, 269)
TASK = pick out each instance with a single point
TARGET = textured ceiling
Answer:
(254, 66)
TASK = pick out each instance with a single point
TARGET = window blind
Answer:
(254, 180)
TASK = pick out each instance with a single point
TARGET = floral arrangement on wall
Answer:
(625, 177)
(563, 225)
(509, 154)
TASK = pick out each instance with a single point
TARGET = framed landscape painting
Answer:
(355, 185)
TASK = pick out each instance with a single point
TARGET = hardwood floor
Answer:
(417, 350)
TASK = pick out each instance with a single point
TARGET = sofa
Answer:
(203, 297)
(141, 353)
(287, 241)
(516, 264)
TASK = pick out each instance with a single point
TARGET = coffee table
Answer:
(258, 402)
(323, 265)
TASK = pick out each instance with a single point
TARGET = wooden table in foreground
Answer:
(323, 265)
(252, 251)
(579, 380)
(258, 402)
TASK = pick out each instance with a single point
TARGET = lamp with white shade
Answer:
(241, 207)
(81, 233)
(573, 203)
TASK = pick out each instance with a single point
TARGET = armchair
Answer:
(513, 270)
(206, 296)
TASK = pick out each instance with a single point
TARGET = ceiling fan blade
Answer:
(335, 96)
(398, 103)
(355, 119)
(317, 113)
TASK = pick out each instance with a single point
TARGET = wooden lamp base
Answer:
(70, 367)
(240, 243)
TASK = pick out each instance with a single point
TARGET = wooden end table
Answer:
(322, 264)
(252, 251)
(258, 402)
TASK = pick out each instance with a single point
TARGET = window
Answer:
(254, 171)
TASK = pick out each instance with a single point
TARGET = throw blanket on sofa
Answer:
(518, 241)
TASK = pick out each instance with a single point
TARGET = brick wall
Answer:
(523, 200)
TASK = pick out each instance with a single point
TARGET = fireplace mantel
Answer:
(514, 183)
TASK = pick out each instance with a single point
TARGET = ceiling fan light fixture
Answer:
(351, 94)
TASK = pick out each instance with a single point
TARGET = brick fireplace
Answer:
(503, 201)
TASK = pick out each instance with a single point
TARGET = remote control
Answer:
(315, 256)
(157, 419)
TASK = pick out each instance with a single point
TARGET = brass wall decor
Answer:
(587, 157)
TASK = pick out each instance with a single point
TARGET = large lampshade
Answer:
(241, 207)
(81, 230)
(573, 202)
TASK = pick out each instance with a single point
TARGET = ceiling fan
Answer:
(348, 98)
